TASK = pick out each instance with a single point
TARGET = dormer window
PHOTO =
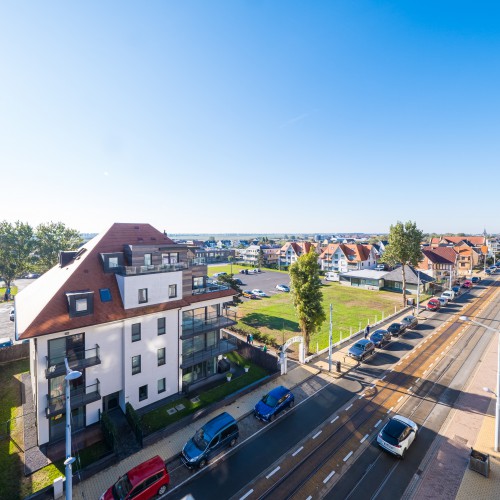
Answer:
(80, 303)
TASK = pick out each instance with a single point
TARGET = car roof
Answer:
(146, 469)
(279, 391)
(214, 425)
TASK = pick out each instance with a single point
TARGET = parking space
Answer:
(265, 281)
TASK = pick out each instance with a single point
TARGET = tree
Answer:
(404, 248)
(307, 295)
(52, 238)
(229, 279)
(16, 250)
(261, 260)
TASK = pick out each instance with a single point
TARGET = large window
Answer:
(198, 282)
(161, 326)
(172, 291)
(199, 371)
(143, 295)
(136, 332)
(161, 385)
(143, 393)
(161, 356)
(71, 347)
(136, 365)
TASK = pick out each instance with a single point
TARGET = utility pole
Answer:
(330, 342)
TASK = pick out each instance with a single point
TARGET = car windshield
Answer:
(270, 400)
(199, 440)
(121, 488)
(377, 336)
(359, 346)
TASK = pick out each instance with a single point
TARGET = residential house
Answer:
(468, 257)
(292, 250)
(342, 257)
(133, 313)
(415, 280)
(440, 263)
(251, 254)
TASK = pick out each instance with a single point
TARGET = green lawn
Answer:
(352, 308)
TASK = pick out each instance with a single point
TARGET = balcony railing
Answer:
(194, 326)
(56, 405)
(210, 288)
(223, 347)
(160, 268)
(78, 360)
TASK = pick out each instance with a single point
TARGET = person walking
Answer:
(367, 331)
(248, 338)
(264, 349)
(251, 338)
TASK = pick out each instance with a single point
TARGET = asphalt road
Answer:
(265, 281)
(7, 326)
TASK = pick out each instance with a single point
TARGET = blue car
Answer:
(380, 338)
(268, 408)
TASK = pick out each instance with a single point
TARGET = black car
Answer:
(361, 349)
(396, 329)
(238, 281)
(380, 337)
(410, 321)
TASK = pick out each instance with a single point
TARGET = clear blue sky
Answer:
(251, 116)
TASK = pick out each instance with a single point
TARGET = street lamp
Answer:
(70, 375)
(497, 407)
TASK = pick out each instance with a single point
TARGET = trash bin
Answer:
(223, 365)
(479, 462)
(338, 366)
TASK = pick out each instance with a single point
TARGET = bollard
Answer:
(58, 487)
(338, 366)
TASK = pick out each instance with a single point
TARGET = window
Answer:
(161, 326)
(113, 262)
(143, 393)
(136, 332)
(198, 282)
(136, 365)
(172, 291)
(161, 356)
(80, 303)
(143, 295)
(105, 294)
(161, 385)
(148, 259)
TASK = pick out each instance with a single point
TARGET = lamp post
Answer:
(418, 291)
(330, 342)
(497, 407)
(70, 375)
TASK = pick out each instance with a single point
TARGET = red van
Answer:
(143, 482)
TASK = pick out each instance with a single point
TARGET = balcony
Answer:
(223, 347)
(56, 405)
(77, 360)
(195, 326)
(210, 288)
(160, 268)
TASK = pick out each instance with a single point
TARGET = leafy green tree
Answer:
(404, 248)
(307, 295)
(16, 250)
(261, 260)
(52, 238)
(230, 280)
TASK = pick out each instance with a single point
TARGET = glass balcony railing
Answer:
(194, 326)
(224, 346)
(56, 405)
(210, 288)
(78, 359)
(159, 268)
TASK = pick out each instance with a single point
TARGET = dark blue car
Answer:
(268, 408)
(380, 337)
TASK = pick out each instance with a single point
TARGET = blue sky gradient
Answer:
(251, 116)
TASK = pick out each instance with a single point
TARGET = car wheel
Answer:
(162, 490)
(272, 418)
(202, 463)
(233, 442)
(292, 403)
(403, 453)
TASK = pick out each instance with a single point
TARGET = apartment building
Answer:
(133, 313)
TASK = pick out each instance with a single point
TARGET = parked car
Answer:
(449, 294)
(5, 342)
(443, 301)
(456, 290)
(396, 329)
(249, 295)
(397, 435)
(238, 281)
(380, 337)
(410, 321)
(143, 482)
(12, 314)
(381, 267)
(216, 434)
(487, 271)
(216, 275)
(433, 305)
(283, 288)
(243, 271)
(475, 279)
(467, 284)
(361, 350)
(269, 407)
(259, 293)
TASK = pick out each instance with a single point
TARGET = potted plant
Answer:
(229, 376)
(246, 367)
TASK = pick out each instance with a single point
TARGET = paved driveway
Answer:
(265, 281)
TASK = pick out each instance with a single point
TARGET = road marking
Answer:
(409, 390)
(362, 396)
(378, 423)
(416, 381)
(317, 434)
(248, 493)
(273, 472)
(399, 363)
(382, 378)
(390, 409)
(297, 451)
(327, 478)
(348, 456)
(399, 399)
(350, 406)
(336, 418)
(309, 497)
(431, 365)
(364, 438)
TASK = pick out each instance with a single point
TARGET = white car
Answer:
(443, 301)
(12, 314)
(259, 293)
(283, 288)
(397, 435)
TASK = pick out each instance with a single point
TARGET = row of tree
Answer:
(25, 249)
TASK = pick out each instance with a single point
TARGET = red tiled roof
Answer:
(475, 240)
(50, 313)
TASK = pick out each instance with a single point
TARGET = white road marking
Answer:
(336, 418)
(390, 409)
(378, 423)
(348, 456)
(248, 493)
(327, 478)
(409, 390)
(317, 434)
(364, 438)
(273, 472)
(382, 378)
(416, 381)
(297, 451)
(362, 396)
(349, 407)
(399, 399)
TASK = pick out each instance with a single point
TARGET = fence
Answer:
(14, 352)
